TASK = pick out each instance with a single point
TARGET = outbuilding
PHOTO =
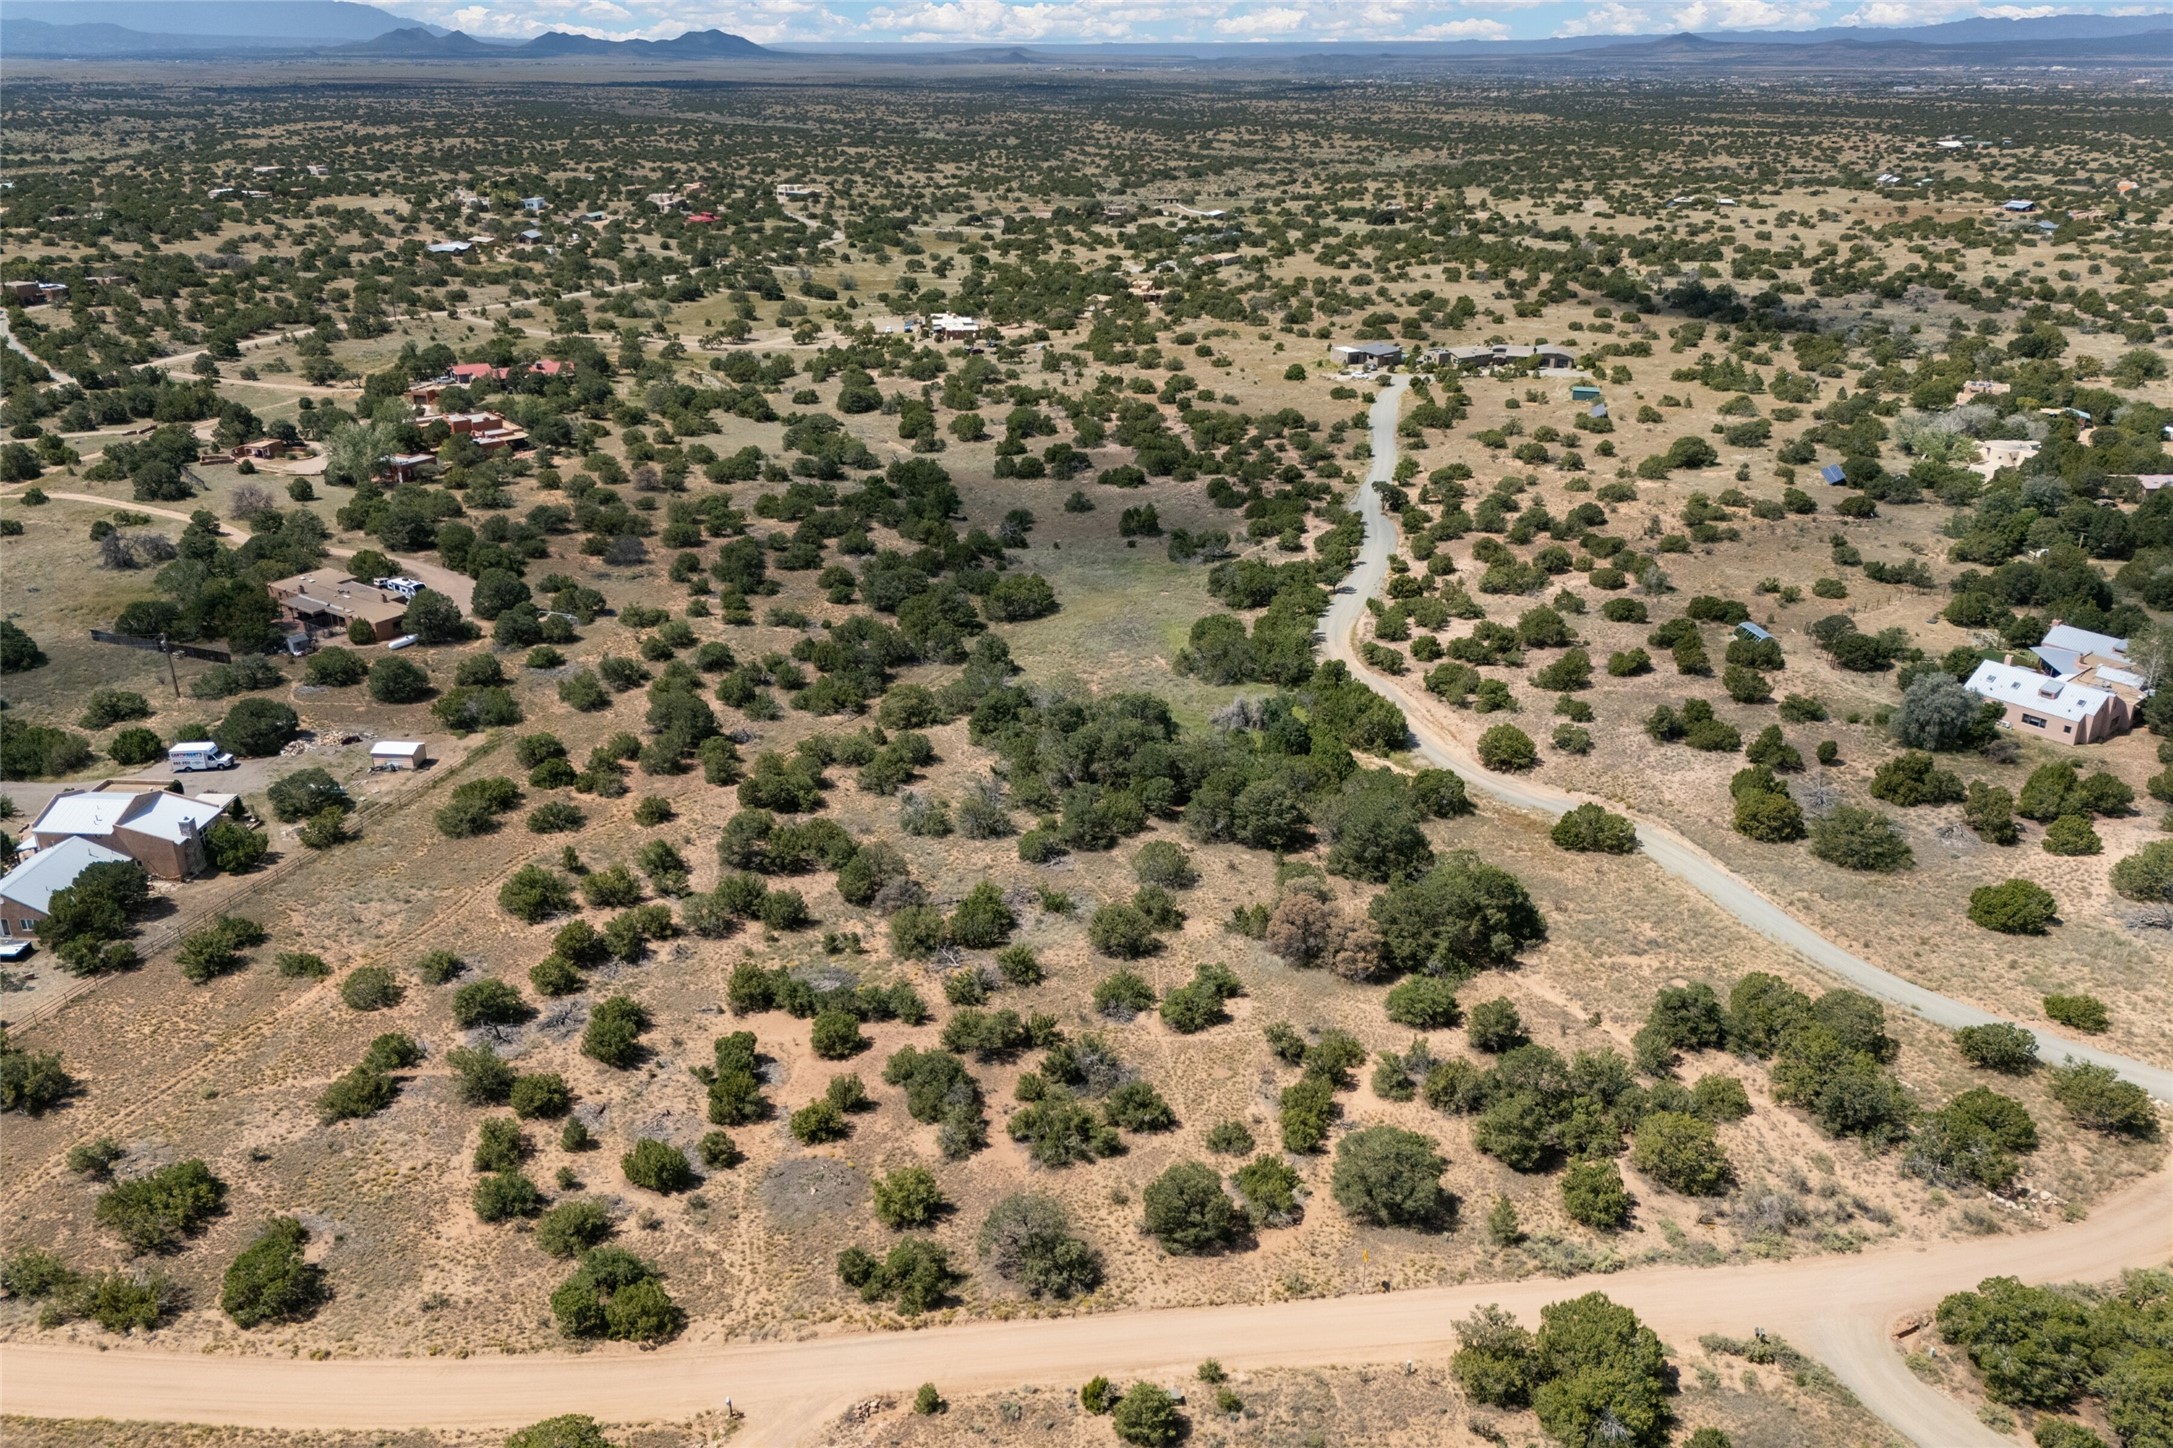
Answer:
(399, 754)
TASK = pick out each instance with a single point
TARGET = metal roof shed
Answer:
(398, 754)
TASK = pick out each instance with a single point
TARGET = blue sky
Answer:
(986, 21)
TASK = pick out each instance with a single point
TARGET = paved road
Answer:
(1835, 1307)
(1435, 727)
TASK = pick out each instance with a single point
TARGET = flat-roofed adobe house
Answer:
(159, 830)
(329, 598)
(954, 327)
(1366, 356)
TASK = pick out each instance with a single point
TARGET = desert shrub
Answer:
(1187, 1211)
(613, 1036)
(484, 1078)
(2084, 1013)
(157, 1212)
(1507, 749)
(1679, 1151)
(916, 1274)
(1389, 1177)
(363, 1091)
(1147, 1417)
(270, 1281)
(1423, 1002)
(1494, 1026)
(488, 1002)
(1593, 1195)
(2096, 1098)
(541, 1096)
(1861, 839)
(2072, 834)
(370, 988)
(2012, 907)
(1998, 1047)
(1589, 828)
(1027, 1239)
(614, 1294)
(657, 1166)
(908, 1197)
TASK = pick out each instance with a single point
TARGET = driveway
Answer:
(1440, 743)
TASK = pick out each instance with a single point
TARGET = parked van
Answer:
(198, 754)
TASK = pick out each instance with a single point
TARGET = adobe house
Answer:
(160, 831)
(329, 599)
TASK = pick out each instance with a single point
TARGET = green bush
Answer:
(1495, 1026)
(615, 1294)
(1506, 749)
(1998, 1047)
(1861, 839)
(370, 988)
(1680, 1152)
(2072, 834)
(1424, 1003)
(2096, 1098)
(270, 1281)
(1027, 1239)
(916, 1274)
(158, 1211)
(1388, 1177)
(488, 1002)
(571, 1228)
(568, 1430)
(256, 728)
(505, 1195)
(1147, 1416)
(2012, 907)
(1589, 828)
(2079, 1013)
(658, 1166)
(1187, 1211)
(1593, 1194)
(364, 1091)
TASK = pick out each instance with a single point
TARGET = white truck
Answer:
(197, 754)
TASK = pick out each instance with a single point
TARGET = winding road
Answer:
(1438, 743)
(1836, 1308)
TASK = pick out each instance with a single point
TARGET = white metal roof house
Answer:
(2057, 709)
(27, 891)
(159, 830)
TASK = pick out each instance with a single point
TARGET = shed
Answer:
(1750, 630)
(1584, 392)
(398, 754)
(1832, 473)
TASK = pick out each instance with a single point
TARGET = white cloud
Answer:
(1742, 15)
(1608, 18)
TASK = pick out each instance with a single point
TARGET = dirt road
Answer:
(1437, 730)
(1835, 1307)
(459, 587)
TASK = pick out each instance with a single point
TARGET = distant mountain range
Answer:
(335, 30)
(187, 24)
